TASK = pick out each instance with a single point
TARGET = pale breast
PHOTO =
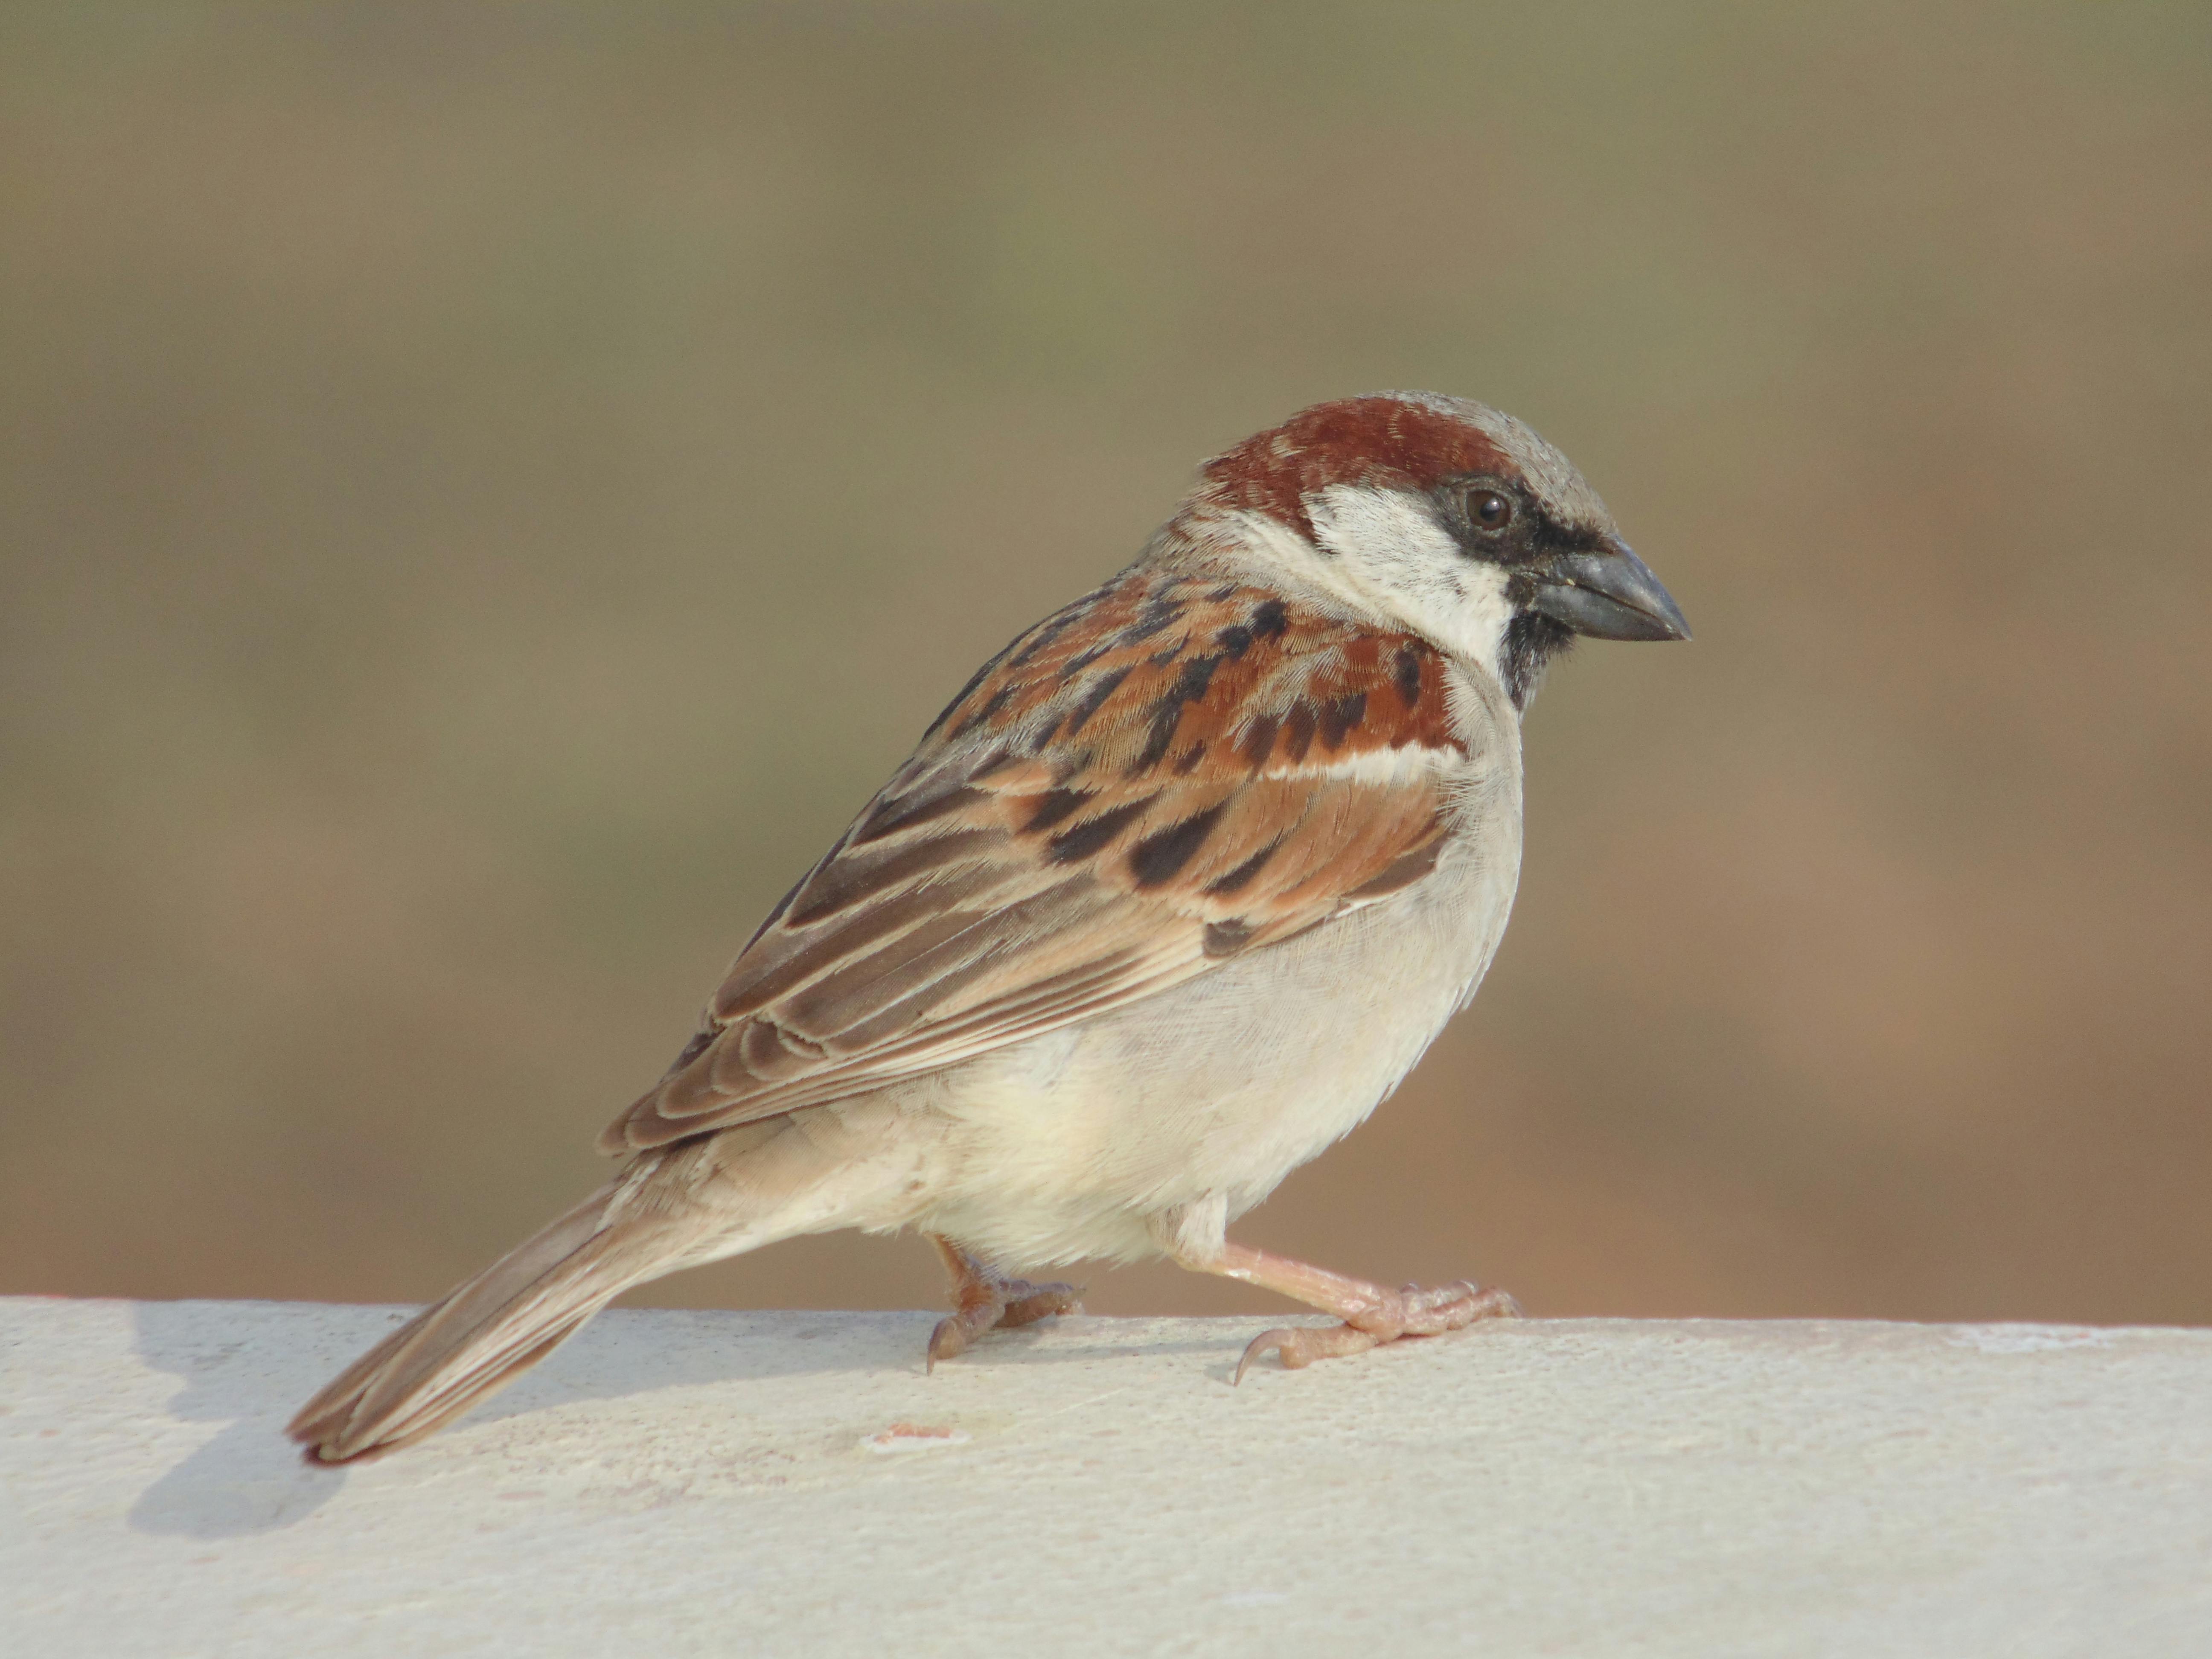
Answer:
(1061, 1147)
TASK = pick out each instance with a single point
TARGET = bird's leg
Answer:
(984, 1298)
(1371, 1315)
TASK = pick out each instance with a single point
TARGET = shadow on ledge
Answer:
(252, 1368)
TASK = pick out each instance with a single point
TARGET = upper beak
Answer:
(1610, 594)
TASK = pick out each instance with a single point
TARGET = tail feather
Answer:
(485, 1334)
(674, 1206)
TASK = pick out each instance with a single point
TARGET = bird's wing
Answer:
(1169, 773)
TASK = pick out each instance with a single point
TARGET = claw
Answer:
(947, 1341)
(1299, 1345)
(1258, 1346)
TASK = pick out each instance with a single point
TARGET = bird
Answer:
(1173, 893)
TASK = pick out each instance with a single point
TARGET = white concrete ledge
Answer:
(728, 1483)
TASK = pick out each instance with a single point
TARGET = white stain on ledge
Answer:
(912, 1437)
(2028, 1339)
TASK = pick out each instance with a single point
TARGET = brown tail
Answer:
(674, 1206)
(488, 1331)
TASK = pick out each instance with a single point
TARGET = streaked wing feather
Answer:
(1167, 774)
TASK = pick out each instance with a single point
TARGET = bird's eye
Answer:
(1490, 510)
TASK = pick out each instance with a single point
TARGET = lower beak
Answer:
(1609, 595)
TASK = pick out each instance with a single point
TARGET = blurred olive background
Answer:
(487, 492)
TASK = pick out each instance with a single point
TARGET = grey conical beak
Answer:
(1609, 595)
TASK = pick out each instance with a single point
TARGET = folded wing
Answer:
(1167, 773)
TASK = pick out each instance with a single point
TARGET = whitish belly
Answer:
(1062, 1146)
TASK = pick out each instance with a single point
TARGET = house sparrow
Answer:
(1176, 890)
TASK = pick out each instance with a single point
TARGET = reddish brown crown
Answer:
(1384, 440)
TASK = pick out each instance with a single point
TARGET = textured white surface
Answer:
(728, 1484)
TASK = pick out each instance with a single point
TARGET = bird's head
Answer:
(1447, 517)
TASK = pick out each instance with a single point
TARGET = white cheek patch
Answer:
(1477, 627)
(1393, 555)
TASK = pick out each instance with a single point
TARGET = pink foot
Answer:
(1410, 1312)
(986, 1300)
